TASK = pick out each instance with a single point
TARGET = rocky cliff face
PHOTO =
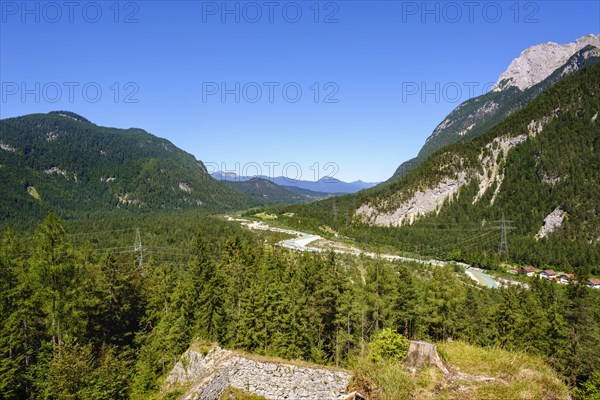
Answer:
(208, 375)
(537, 62)
(421, 203)
(552, 222)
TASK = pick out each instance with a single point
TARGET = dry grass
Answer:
(202, 346)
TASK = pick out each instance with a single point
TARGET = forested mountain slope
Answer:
(541, 160)
(265, 191)
(63, 163)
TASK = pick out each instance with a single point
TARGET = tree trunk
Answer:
(423, 354)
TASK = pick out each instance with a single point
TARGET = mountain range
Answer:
(530, 154)
(327, 184)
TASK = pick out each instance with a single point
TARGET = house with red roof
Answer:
(548, 274)
(565, 279)
(594, 283)
(528, 270)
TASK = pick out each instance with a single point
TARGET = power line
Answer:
(464, 242)
(98, 232)
(84, 233)
(137, 247)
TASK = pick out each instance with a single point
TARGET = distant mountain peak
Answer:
(537, 62)
(329, 179)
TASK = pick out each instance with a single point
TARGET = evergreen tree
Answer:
(115, 301)
(55, 275)
(504, 318)
(70, 371)
(204, 291)
(22, 330)
(584, 334)
(442, 296)
(405, 304)
(532, 324)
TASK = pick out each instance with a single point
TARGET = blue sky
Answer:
(316, 88)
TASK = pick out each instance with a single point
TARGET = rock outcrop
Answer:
(552, 222)
(209, 375)
(497, 151)
(537, 62)
(421, 203)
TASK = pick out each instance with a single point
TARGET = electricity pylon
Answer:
(504, 228)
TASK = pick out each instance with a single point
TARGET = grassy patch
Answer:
(235, 394)
(384, 380)
(264, 215)
(34, 193)
(202, 347)
(475, 374)
(517, 375)
(327, 229)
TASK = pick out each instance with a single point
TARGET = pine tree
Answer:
(166, 332)
(505, 318)
(115, 301)
(584, 331)
(110, 379)
(405, 303)
(532, 324)
(203, 303)
(233, 273)
(443, 296)
(22, 330)
(55, 275)
(380, 286)
(70, 371)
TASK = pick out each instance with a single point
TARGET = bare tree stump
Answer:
(423, 354)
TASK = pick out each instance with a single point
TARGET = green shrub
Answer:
(388, 345)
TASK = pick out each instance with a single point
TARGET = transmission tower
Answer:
(137, 248)
(504, 227)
